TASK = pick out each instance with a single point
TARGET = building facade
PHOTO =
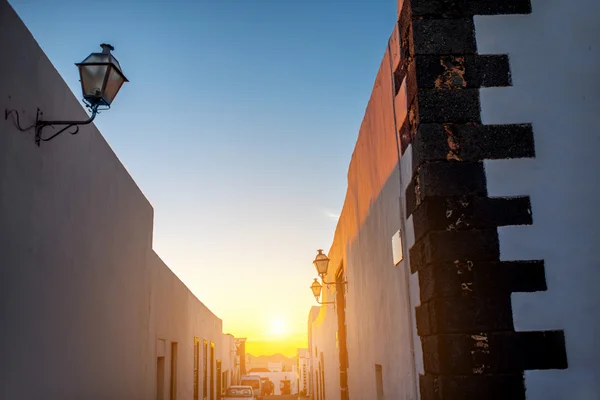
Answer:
(467, 233)
(240, 344)
(275, 366)
(303, 368)
(230, 369)
(312, 370)
(88, 310)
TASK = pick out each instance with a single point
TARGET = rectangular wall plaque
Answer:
(397, 252)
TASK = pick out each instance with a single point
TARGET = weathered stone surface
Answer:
(480, 278)
(464, 315)
(469, 212)
(464, 8)
(471, 142)
(493, 353)
(446, 179)
(472, 387)
(449, 106)
(461, 72)
(444, 36)
(453, 246)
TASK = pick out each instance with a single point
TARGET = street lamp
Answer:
(321, 263)
(316, 289)
(101, 78)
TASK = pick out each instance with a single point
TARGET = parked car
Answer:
(255, 382)
(239, 393)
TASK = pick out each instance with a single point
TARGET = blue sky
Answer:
(238, 125)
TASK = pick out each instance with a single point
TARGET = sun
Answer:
(278, 326)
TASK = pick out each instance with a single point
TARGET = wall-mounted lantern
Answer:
(101, 78)
(321, 263)
(316, 289)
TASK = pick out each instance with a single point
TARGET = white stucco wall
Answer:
(414, 294)
(381, 297)
(303, 370)
(312, 316)
(323, 339)
(84, 300)
(228, 355)
(378, 316)
(555, 59)
(178, 316)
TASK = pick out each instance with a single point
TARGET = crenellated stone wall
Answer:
(495, 179)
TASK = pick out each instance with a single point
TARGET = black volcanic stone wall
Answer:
(470, 347)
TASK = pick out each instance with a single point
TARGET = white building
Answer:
(230, 368)
(303, 371)
(469, 230)
(275, 366)
(88, 309)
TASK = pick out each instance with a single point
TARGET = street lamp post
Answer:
(101, 79)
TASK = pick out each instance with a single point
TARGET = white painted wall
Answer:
(378, 316)
(312, 317)
(323, 339)
(303, 370)
(555, 59)
(178, 316)
(228, 359)
(414, 293)
(380, 302)
(86, 306)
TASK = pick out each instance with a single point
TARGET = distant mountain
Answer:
(263, 361)
(274, 357)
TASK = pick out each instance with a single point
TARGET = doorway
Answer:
(318, 384)
(379, 381)
(219, 380)
(322, 368)
(212, 371)
(205, 369)
(173, 385)
(196, 368)
(160, 378)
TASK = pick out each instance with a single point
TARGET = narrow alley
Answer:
(327, 200)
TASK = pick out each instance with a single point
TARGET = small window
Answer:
(379, 381)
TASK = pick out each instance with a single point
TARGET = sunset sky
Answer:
(238, 125)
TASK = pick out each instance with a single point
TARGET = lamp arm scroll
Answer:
(40, 124)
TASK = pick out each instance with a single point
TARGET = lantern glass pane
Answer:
(316, 289)
(96, 58)
(92, 79)
(321, 266)
(113, 84)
